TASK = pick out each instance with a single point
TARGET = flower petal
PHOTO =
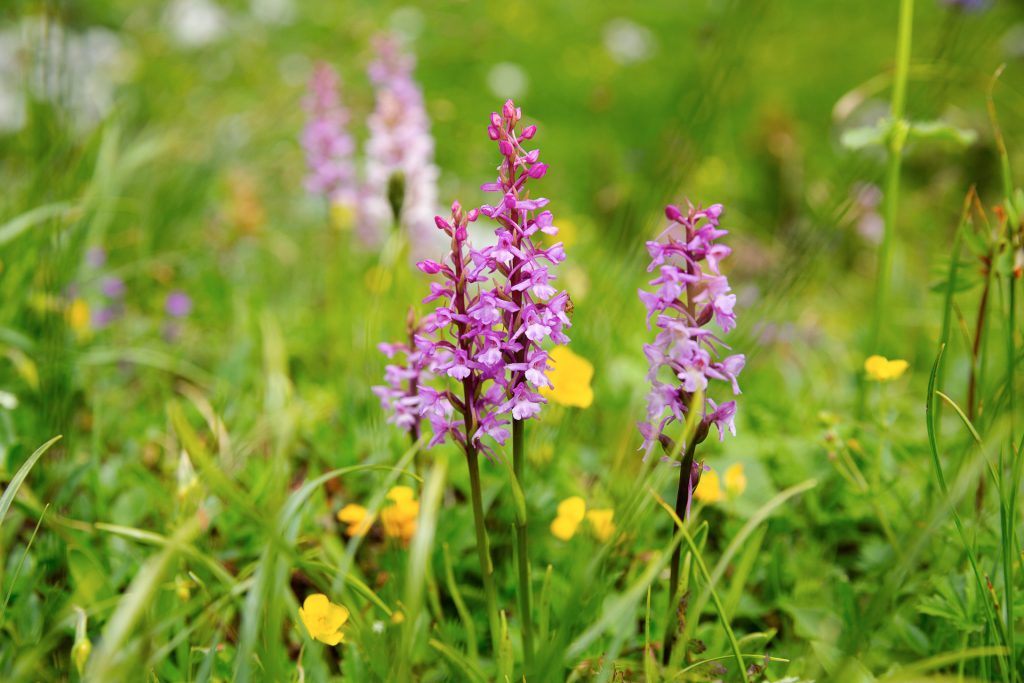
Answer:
(573, 508)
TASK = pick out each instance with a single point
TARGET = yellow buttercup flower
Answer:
(571, 512)
(323, 619)
(735, 480)
(601, 523)
(358, 519)
(78, 318)
(881, 369)
(401, 494)
(709, 490)
(563, 528)
(399, 520)
(574, 508)
(570, 375)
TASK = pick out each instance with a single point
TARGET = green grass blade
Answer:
(699, 560)
(21, 563)
(464, 665)
(417, 577)
(19, 477)
(109, 662)
(460, 605)
(20, 224)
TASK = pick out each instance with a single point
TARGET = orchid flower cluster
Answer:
(495, 306)
(689, 292)
(400, 395)
(399, 183)
(326, 140)
(401, 177)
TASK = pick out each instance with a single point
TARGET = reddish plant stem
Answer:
(979, 331)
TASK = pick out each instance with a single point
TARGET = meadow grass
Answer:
(170, 480)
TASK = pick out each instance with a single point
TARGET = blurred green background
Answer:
(166, 133)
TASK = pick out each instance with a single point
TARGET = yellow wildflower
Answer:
(357, 518)
(601, 523)
(401, 494)
(735, 480)
(881, 369)
(397, 617)
(78, 318)
(399, 520)
(183, 587)
(709, 490)
(571, 512)
(563, 528)
(570, 375)
(574, 508)
(323, 619)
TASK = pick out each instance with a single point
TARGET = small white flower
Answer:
(628, 42)
(507, 80)
(195, 23)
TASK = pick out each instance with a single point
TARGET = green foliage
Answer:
(190, 507)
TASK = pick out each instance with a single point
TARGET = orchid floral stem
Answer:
(483, 546)
(682, 503)
(522, 556)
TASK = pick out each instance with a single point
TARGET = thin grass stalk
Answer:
(460, 605)
(930, 409)
(1008, 507)
(951, 279)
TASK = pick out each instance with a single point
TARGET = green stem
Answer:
(978, 364)
(483, 547)
(897, 138)
(682, 502)
(1008, 509)
(523, 558)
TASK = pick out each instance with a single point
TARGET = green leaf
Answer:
(865, 136)
(975, 242)
(1004, 263)
(940, 131)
